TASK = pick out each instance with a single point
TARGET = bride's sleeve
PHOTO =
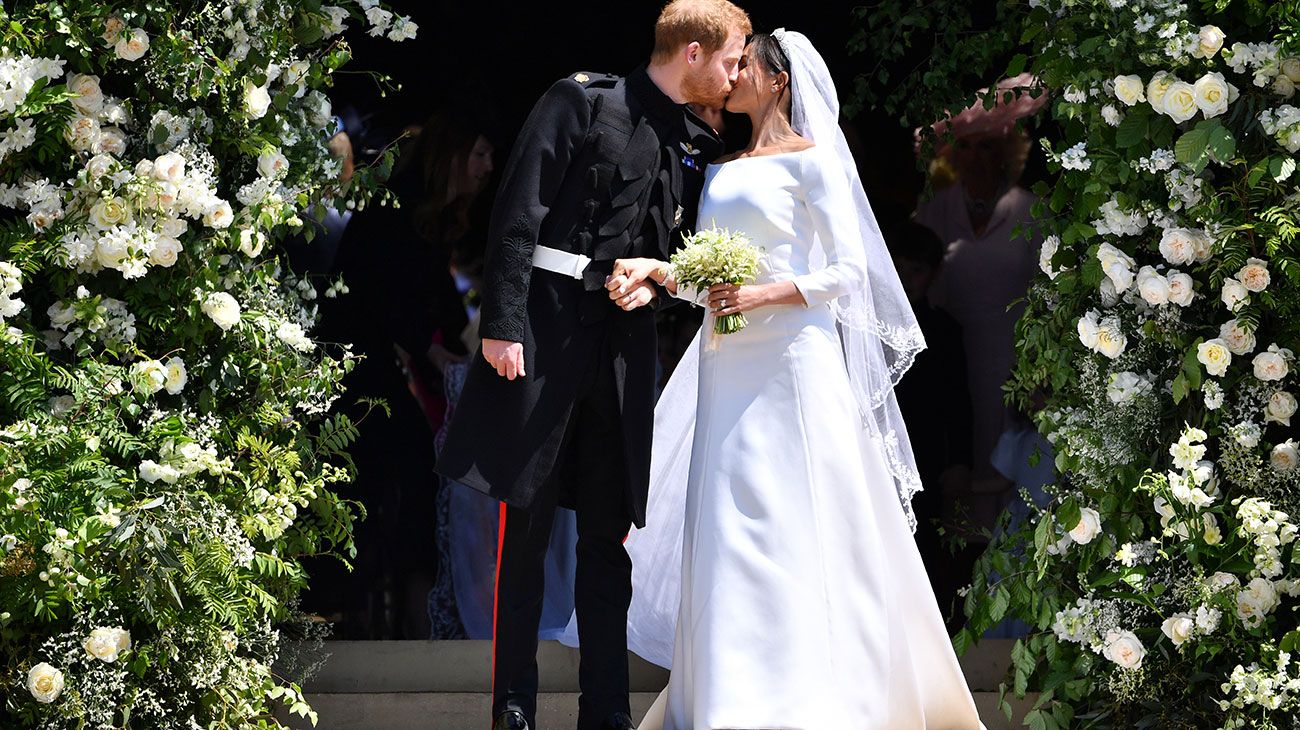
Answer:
(830, 204)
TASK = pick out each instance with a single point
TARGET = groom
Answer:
(559, 408)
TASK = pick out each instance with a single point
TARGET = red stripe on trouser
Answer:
(496, 597)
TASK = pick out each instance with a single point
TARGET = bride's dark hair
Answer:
(766, 49)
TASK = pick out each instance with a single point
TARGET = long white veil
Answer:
(880, 337)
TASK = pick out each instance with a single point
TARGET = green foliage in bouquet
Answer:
(717, 256)
(1161, 580)
(167, 451)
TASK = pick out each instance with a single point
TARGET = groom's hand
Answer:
(628, 295)
(506, 357)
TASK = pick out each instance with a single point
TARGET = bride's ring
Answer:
(723, 304)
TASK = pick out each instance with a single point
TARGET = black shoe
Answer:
(618, 721)
(510, 720)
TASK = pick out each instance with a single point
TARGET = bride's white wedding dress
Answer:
(804, 603)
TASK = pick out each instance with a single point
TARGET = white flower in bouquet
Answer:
(257, 100)
(113, 27)
(1181, 289)
(177, 377)
(272, 164)
(1213, 395)
(219, 215)
(1272, 365)
(1157, 87)
(1221, 581)
(45, 683)
(106, 644)
(1124, 648)
(1126, 386)
(222, 308)
(89, 99)
(1215, 356)
(109, 212)
(1088, 327)
(379, 19)
(1179, 628)
(319, 110)
(1213, 94)
(1235, 294)
(1130, 89)
(1089, 526)
(1180, 101)
(1254, 602)
(1050, 246)
(1117, 265)
(1076, 158)
(1152, 286)
(1241, 341)
(133, 45)
(148, 376)
(291, 334)
(1254, 275)
(1281, 406)
(1285, 456)
(403, 29)
(1209, 41)
(1189, 450)
(716, 256)
(1247, 434)
(111, 140)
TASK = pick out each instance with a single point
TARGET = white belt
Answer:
(560, 262)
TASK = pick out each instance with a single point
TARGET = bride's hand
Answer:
(732, 299)
(635, 271)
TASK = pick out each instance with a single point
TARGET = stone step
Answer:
(470, 711)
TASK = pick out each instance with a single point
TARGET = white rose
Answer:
(99, 166)
(1209, 41)
(45, 683)
(89, 99)
(219, 215)
(251, 242)
(1157, 88)
(1088, 327)
(1256, 600)
(109, 212)
(222, 308)
(1291, 69)
(174, 227)
(1111, 341)
(1121, 277)
(113, 28)
(1179, 628)
(1153, 287)
(1283, 86)
(1212, 94)
(148, 376)
(1254, 275)
(319, 110)
(1271, 366)
(1180, 101)
(166, 251)
(1203, 243)
(1181, 289)
(1281, 406)
(133, 45)
(272, 164)
(1178, 246)
(106, 644)
(82, 133)
(1124, 648)
(169, 168)
(1285, 456)
(1215, 356)
(176, 375)
(1235, 294)
(1222, 581)
(1088, 528)
(111, 141)
(256, 101)
(1130, 89)
(1240, 340)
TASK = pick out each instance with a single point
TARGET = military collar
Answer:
(653, 99)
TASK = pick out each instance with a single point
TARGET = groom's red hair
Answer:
(709, 22)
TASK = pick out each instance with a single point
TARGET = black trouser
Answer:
(593, 469)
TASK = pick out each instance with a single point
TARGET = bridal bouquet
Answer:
(717, 256)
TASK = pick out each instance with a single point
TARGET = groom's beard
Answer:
(699, 89)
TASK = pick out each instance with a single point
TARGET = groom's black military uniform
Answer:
(608, 168)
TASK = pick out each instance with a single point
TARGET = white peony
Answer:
(1234, 295)
(1089, 526)
(1130, 89)
(1281, 406)
(256, 100)
(222, 308)
(1285, 456)
(1272, 365)
(1241, 341)
(1181, 290)
(132, 46)
(45, 683)
(1180, 101)
(1124, 648)
(1215, 356)
(1213, 93)
(1179, 628)
(177, 377)
(1254, 275)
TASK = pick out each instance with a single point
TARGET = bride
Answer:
(778, 577)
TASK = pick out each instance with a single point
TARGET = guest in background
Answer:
(935, 401)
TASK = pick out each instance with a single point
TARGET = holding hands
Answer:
(631, 285)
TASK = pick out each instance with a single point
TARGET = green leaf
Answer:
(1132, 130)
(1016, 66)
(1192, 149)
(1180, 388)
(1222, 145)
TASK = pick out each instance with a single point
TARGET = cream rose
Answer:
(1181, 291)
(1130, 89)
(1283, 86)
(1215, 356)
(256, 101)
(169, 168)
(1111, 341)
(1272, 365)
(99, 166)
(1281, 406)
(132, 46)
(1240, 340)
(113, 27)
(177, 376)
(251, 242)
(1157, 88)
(1152, 286)
(109, 212)
(1209, 41)
(111, 141)
(219, 215)
(148, 376)
(107, 644)
(1285, 456)
(223, 309)
(1254, 275)
(1178, 246)
(89, 97)
(1212, 94)
(82, 133)
(1180, 101)
(272, 164)
(45, 683)
(166, 251)
(1234, 295)
(1124, 648)
(1089, 526)
(1179, 628)
(1290, 67)
(1088, 328)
